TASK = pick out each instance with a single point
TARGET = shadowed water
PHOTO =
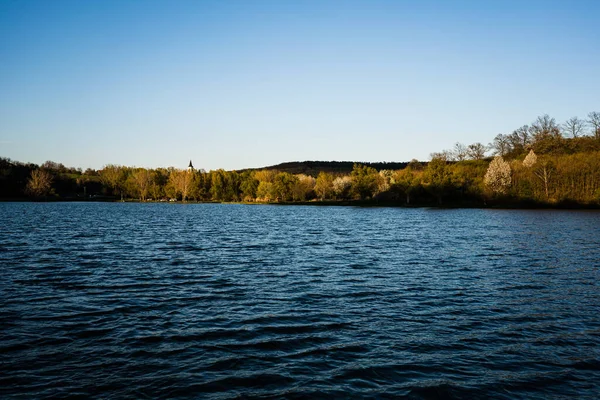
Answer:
(225, 301)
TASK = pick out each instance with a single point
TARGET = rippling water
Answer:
(222, 301)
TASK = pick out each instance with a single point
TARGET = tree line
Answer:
(540, 163)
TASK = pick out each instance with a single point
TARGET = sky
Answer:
(247, 84)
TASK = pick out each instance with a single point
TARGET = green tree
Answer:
(264, 191)
(364, 181)
(218, 185)
(283, 185)
(248, 186)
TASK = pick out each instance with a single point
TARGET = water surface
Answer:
(222, 301)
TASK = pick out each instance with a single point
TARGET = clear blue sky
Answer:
(236, 84)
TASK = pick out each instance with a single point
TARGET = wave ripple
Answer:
(227, 301)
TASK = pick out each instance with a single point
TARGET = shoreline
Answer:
(506, 205)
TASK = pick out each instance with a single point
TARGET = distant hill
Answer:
(337, 167)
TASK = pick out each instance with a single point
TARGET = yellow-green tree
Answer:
(39, 183)
(143, 180)
(303, 188)
(437, 178)
(114, 177)
(283, 186)
(180, 183)
(324, 185)
(405, 181)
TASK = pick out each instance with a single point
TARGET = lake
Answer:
(137, 300)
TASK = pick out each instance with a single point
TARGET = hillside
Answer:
(313, 168)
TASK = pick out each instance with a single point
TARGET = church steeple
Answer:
(190, 167)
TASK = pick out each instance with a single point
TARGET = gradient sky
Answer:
(236, 84)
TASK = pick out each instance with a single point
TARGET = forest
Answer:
(543, 164)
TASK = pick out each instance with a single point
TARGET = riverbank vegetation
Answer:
(541, 164)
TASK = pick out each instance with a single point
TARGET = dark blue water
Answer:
(224, 301)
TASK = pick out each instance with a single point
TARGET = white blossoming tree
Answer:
(530, 160)
(342, 186)
(498, 175)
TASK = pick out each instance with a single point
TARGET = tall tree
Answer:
(544, 173)
(218, 187)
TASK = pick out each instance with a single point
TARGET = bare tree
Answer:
(573, 127)
(459, 151)
(476, 151)
(522, 134)
(594, 122)
(500, 145)
(39, 183)
(544, 127)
